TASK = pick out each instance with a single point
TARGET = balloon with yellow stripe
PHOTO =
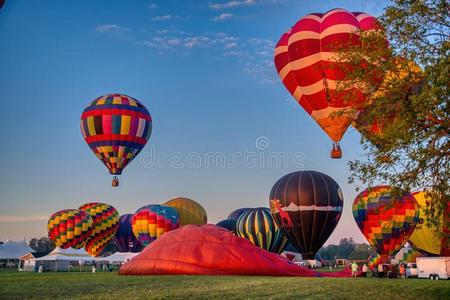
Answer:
(151, 221)
(70, 228)
(258, 226)
(105, 224)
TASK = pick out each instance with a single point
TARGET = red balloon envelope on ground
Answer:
(211, 250)
(306, 63)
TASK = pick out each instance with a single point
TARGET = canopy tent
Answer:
(60, 259)
(118, 257)
(14, 249)
(69, 254)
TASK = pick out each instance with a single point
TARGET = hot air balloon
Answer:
(258, 226)
(235, 214)
(374, 260)
(307, 206)
(398, 84)
(70, 228)
(433, 241)
(124, 237)
(105, 224)
(151, 221)
(228, 224)
(116, 127)
(385, 218)
(407, 254)
(306, 61)
(190, 212)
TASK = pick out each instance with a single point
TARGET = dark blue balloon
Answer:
(124, 238)
(228, 224)
(235, 214)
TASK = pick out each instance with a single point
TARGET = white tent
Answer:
(14, 249)
(118, 257)
(60, 259)
(69, 254)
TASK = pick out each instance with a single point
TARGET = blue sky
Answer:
(205, 71)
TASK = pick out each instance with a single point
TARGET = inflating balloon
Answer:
(151, 221)
(407, 254)
(70, 228)
(385, 218)
(433, 240)
(305, 59)
(307, 206)
(124, 237)
(235, 214)
(116, 127)
(190, 212)
(374, 260)
(257, 225)
(228, 224)
(105, 224)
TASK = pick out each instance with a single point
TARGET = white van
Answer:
(433, 267)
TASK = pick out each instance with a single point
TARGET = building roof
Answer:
(14, 249)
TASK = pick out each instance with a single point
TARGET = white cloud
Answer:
(152, 6)
(174, 42)
(112, 29)
(233, 53)
(163, 18)
(13, 219)
(232, 4)
(222, 17)
(231, 45)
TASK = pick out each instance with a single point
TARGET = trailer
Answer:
(433, 267)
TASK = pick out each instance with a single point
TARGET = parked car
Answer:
(411, 270)
(434, 268)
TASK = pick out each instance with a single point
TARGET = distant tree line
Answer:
(347, 248)
(43, 244)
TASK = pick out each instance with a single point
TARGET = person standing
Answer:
(354, 269)
(380, 271)
(402, 270)
(364, 270)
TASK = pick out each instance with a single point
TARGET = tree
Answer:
(405, 123)
(43, 244)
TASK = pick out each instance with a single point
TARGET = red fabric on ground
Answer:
(211, 250)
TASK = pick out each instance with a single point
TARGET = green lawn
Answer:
(112, 286)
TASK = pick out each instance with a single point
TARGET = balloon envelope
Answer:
(235, 214)
(431, 240)
(228, 224)
(190, 211)
(105, 224)
(124, 237)
(70, 228)
(385, 219)
(152, 221)
(305, 59)
(307, 206)
(116, 127)
(257, 225)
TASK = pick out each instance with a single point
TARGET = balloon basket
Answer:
(115, 182)
(336, 152)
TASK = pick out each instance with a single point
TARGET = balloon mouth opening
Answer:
(336, 152)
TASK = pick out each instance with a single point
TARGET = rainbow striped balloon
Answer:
(385, 219)
(116, 127)
(306, 61)
(70, 228)
(258, 226)
(151, 221)
(105, 224)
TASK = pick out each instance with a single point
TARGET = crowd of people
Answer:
(380, 271)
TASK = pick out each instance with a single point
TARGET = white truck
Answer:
(433, 267)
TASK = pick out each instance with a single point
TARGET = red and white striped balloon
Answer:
(306, 61)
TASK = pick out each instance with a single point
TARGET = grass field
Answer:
(15, 285)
